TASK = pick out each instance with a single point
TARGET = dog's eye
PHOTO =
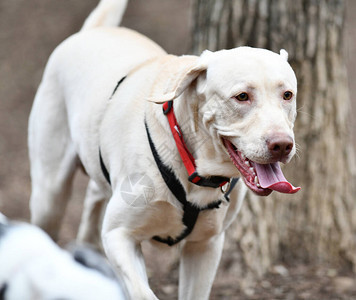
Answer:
(242, 97)
(287, 95)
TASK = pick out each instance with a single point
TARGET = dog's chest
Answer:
(209, 224)
(165, 220)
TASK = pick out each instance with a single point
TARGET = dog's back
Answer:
(79, 78)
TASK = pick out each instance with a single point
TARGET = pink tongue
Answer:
(271, 177)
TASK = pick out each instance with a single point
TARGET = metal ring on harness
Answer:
(224, 188)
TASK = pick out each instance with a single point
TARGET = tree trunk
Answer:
(318, 224)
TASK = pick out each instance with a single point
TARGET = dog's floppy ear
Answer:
(174, 75)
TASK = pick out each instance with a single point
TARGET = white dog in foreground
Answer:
(33, 267)
(162, 139)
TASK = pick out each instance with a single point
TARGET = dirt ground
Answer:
(29, 31)
(298, 282)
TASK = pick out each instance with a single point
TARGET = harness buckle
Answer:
(224, 188)
(194, 178)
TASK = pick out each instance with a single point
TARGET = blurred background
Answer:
(30, 30)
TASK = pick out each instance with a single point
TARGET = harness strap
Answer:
(190, 212)
(187, 157)
(117, 86)
(102, 165)
(104, 169)
(231, 187)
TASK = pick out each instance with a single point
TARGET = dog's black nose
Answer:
(280, 145)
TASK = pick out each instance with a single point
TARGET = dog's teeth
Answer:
(243, 156)
(247, 163)
(257, 182)
(252, 170)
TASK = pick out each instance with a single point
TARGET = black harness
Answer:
(190, 211)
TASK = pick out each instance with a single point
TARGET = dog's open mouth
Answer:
(260, 178)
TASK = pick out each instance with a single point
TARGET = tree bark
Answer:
(318, 224)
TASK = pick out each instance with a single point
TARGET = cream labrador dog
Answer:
(163, 138)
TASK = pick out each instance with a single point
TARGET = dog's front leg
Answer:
(124, 252)
(198, 265)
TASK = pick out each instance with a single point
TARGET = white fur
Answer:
(33, 267)
(74, 115)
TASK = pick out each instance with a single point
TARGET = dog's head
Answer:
(247, 104)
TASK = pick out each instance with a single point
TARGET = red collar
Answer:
(187, 157)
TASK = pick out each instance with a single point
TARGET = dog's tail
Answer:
(107, 13)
